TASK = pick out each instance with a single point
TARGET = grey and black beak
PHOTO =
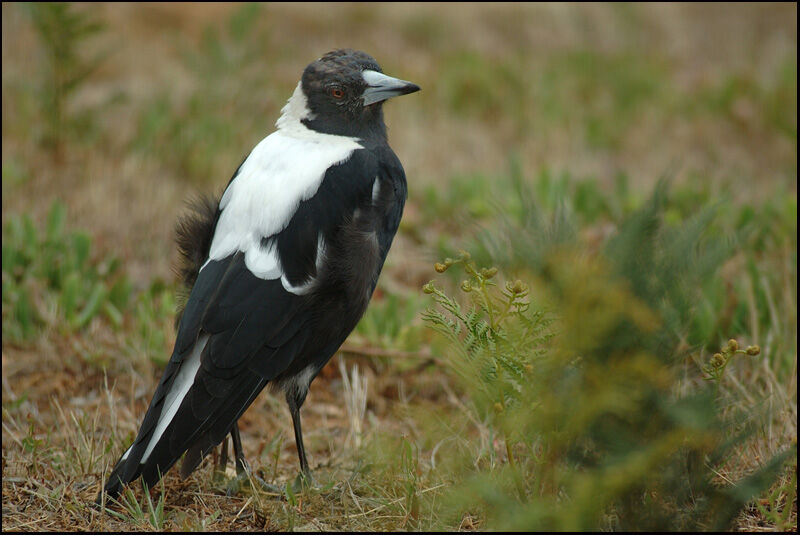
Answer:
(380, 87)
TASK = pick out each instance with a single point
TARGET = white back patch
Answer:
(284, 169)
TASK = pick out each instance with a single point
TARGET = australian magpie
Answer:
(281, 268)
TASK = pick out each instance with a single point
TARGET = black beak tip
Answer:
(411, 88)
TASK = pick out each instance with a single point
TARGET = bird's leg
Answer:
(298, 437)
(295, 400)
(219, 470)
(243, 472)
(241, 463)
(294, 409)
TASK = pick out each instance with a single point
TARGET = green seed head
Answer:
(753, 350)
(466, 286)
(717, 360)
(440, 268)
(428, 288)
(488, 273)
(733, 345)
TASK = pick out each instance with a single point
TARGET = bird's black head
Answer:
(344, 92)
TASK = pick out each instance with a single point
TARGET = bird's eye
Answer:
(337, 92)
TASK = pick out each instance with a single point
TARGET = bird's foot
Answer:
(303, 482)
(220, 475)
(234, 485)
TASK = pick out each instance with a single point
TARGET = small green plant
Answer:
(389, 322)
(495, 343)
(409, 469)
(33, 446)
(153, 313)
(715, 368)
(291, 506)
(272, 453)
(51, 279)
(62, 30)
(777, 505)
(152, 518)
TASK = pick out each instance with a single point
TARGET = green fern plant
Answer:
(495, 343)
(597, 436)
(496, 339)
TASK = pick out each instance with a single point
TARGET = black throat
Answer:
(366, 125)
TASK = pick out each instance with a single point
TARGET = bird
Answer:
(279, 269)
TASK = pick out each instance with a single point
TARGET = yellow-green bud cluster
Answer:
(517, 287)
(488, 273)
(719, 361)
(441, 268)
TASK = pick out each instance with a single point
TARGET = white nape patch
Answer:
(177, 392)
(304, 288)
(295, 110)
(376, 189)
(284, 169)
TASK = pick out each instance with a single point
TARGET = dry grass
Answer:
(66, 418)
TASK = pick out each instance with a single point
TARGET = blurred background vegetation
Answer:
(624, 178)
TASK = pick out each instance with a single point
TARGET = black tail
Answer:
(195, 427)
